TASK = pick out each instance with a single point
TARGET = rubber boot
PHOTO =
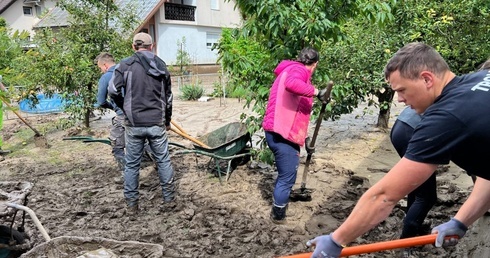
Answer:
(278, 214)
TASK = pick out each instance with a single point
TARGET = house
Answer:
(170, 21)
(21, 15)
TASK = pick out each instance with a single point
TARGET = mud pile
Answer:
(77, 192)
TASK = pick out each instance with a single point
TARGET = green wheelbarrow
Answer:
(230, 143)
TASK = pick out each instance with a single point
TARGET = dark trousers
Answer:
(420, 200)
(286, 156)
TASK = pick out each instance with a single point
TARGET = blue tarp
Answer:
(53, 104)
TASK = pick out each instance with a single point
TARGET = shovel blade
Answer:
(41, 141)
(300, 195)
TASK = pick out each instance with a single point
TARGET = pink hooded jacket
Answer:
(290, 102)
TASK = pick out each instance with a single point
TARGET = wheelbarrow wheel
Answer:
(5, 235)
(240, 161)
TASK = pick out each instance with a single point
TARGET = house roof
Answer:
(4, 4)
(145, 9)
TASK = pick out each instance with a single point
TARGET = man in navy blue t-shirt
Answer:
(454, 127)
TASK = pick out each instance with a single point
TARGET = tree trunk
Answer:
(86, 120)
(384, 99)
(383, 118)
(89, 109)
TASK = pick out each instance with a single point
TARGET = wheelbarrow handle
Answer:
(33, 217)
(77, 138)
(106, 141)
(381, 246)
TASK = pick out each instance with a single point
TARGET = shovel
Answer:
(381, 246)
(304, 194)
(180, 131)
(39, 139)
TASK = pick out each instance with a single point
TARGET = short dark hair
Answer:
(414, 58)
(139, 46)
(308, 56)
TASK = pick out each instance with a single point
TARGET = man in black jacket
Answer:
(141, 87)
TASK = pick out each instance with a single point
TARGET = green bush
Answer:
(217, 90)
(239, 92)
(191, 92)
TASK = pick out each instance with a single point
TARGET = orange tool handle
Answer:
(380, 246)
(189, 138)
(178, 127)
(180, 131)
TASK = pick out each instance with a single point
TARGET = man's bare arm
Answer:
(377, 203)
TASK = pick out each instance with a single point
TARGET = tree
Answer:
(63, 60)
(10, 49)
(458, 30)
(355, 50)
(183, 58)
(274, 30)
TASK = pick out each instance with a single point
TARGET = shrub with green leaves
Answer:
(191, 92)
(217, 90)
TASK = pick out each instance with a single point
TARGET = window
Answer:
(211, 39)
(27, 10)
(214, 5)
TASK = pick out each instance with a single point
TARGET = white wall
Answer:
(16, 19)
(224, 16)
(195, 38)
(195, 33)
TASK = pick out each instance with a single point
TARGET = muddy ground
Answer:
(76, 190)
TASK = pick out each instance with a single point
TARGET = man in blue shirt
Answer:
(106, 63)
(454, 128)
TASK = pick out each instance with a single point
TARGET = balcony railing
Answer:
(179, 12)
(37, 2)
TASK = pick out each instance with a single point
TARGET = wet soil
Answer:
(77, 190)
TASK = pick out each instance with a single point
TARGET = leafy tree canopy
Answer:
(63, 60)
(274, 30)
(10, 48)
(355, 40)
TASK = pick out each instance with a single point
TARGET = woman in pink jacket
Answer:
(286, 122)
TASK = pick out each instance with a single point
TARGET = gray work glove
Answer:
(453, 227)
(322, 95)
(325, 247)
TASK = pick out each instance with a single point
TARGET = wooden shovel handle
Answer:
(21, 118)
(189, 138)
(178, 127)
(380, 246)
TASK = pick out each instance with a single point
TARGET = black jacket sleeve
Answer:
(116, 87)
(169, 99)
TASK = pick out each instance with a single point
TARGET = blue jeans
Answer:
(158, 142)
(286, 155)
